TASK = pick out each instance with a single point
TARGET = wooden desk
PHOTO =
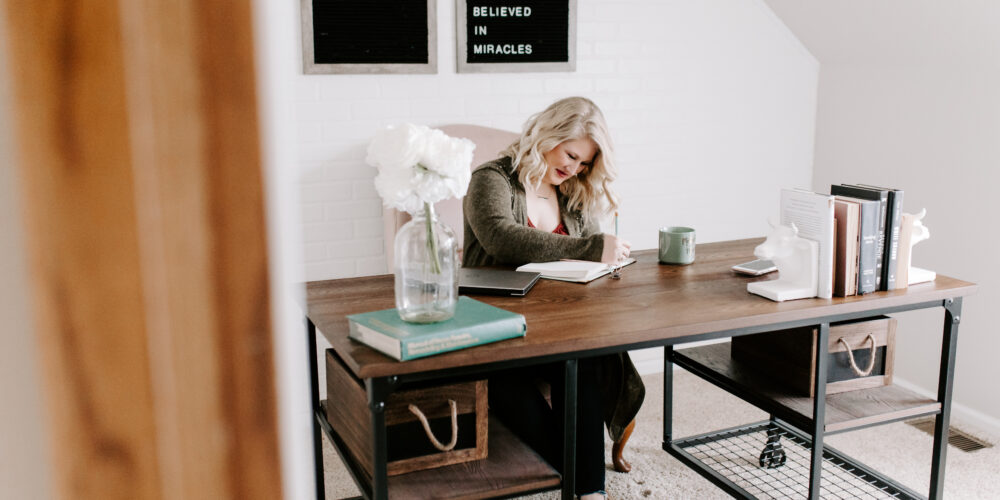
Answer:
(652, 305)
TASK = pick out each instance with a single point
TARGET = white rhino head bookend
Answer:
(918, 232)
(797, 260)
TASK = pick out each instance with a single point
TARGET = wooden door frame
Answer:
(138, 152)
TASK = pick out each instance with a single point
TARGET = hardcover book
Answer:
(848, 222)
(893, 221)
(867, 253)
(882, 197)
(474, 323)
(905, 238)
(812, 214)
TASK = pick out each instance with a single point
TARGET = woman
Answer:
(540, 201)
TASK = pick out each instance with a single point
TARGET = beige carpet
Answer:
(897, 450)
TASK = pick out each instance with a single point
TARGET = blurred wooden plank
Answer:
(138, 149)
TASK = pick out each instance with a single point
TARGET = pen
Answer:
(617, 274)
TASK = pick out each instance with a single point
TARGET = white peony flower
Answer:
(396, 147)
(418, 165)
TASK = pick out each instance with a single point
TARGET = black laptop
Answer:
(489, 281)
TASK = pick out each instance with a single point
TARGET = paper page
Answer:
(812, 214)
(581, 271)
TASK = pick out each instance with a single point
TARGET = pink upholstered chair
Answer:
(489, 142)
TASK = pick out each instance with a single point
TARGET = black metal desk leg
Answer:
(317, 431)
(819, 410)
(569, 431)
(668, 395)
(952, 316)
(378, 392)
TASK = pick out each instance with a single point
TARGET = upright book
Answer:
(474, 323)
(812, 214)
(847, 215)
(867, 253)
(893, 222)
(905, 238)
(882, 197)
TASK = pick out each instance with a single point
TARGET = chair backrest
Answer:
(489, 142)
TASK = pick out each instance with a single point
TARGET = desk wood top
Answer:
(652, 302)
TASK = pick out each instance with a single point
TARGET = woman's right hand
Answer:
(615, 249)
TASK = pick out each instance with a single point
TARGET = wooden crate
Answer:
(409, 448)
(789, 356)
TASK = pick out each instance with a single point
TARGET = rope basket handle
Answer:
(850, 357)
(430, 434)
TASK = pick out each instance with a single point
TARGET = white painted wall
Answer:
(275, 39)
(909, 96)
(711, 105)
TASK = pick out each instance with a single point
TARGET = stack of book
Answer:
(860, 233)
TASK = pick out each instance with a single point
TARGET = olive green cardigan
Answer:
(497, 233)
(496, 224)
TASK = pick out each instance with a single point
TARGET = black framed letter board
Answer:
(512, 36)
(369, 36)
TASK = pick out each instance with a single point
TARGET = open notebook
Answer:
(578, 271)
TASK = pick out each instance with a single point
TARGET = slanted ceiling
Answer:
(904, 32)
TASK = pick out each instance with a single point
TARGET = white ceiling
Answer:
(889, 32)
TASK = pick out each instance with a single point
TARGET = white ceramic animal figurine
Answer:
(919, 233)
(797, 260)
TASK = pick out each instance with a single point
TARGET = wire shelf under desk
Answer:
(731, 459)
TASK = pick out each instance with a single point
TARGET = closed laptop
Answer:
(490, 281)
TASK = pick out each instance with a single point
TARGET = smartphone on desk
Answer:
(755, 267)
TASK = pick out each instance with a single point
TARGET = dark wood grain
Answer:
(652, 302)
(511, 468)
(347, 412)
(789, 356)
(845, 410)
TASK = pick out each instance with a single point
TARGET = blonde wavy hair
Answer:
(571, 118)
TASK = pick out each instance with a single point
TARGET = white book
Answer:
(812, 214)
(579, 271)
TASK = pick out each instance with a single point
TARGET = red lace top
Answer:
(560, 229)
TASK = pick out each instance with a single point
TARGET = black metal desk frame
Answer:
(378, 390)
(810, 432)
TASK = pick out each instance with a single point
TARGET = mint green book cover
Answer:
(474, 323)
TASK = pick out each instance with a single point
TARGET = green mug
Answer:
(676, 245)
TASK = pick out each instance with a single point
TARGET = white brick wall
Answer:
(711, 104)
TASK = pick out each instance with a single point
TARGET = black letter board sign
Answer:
(369, 36)
(516, 35)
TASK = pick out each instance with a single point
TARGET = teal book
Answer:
(474, 323)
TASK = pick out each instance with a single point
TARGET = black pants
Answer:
(516, 399)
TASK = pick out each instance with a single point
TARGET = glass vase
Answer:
(426, 269)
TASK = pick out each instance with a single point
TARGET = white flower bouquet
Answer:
(419, 166)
